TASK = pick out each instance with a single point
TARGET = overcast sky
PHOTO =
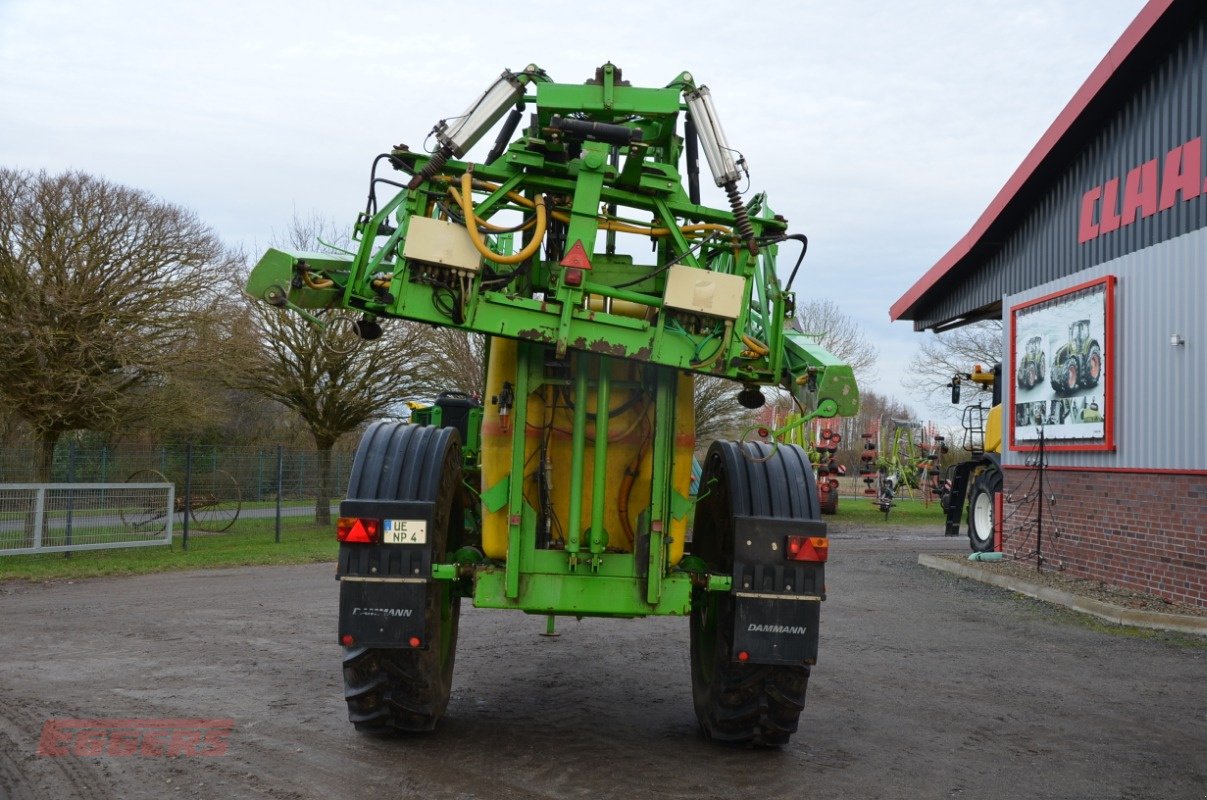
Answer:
(880, 129)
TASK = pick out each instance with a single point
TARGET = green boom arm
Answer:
(525, 246)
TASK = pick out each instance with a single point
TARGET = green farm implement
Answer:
(903, 462)
(565, 492)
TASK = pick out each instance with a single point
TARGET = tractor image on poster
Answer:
(1077, 363)
(1032, 368)
(567, 490)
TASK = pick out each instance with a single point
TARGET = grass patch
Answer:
(248, 542)
(864, 511)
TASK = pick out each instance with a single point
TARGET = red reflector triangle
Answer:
(576, 258)
(358, 532)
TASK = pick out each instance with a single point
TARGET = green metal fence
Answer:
(254, 471)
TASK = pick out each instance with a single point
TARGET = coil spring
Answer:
(430, 169)
(740, 217)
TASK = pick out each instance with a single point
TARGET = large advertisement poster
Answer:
(1062, 372)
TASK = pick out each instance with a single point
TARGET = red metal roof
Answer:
(1110, 64)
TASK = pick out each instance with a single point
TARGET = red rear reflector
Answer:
(743, 656)
(352, 529)
(576, 258)
(573, 277)
(346, 640)
(807, 548)
(414, 641)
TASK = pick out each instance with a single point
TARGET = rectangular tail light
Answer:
(355, 530)
(807, 548)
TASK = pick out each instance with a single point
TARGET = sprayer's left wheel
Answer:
(392, 690)
(753, 704)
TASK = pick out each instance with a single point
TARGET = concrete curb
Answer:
(1096, 608)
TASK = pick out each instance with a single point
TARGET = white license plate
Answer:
(405, 531)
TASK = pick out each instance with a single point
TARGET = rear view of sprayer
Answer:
(567, 490)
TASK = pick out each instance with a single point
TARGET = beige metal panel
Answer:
(435, 241)
(712, 293)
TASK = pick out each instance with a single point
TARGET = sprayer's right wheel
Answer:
(751, 704)
(395, 690)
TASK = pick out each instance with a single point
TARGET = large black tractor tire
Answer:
(391, 690)
(749, 704)
(981, 508)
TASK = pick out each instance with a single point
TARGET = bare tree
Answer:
(460, 359)
(838, 333)
(940, 356)
(104, 292)
(718, 414)
(332, 380)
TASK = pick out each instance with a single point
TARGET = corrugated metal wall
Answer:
(1160, 389)
(1161, 113)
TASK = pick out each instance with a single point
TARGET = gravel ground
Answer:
(928, 686)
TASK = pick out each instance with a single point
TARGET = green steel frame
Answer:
(584, 184)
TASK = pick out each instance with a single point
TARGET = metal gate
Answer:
(60, 517)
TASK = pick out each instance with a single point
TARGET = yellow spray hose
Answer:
(465, 200)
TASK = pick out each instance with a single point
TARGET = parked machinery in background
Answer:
(568, 492)
(899, 462)
(828, 469)
(975, 481)
(822, 447)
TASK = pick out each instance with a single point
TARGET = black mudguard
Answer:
(777, 602)
(384, 587)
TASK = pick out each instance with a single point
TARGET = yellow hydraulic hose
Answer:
(757, 347)
(605, 224)
(624, 227)
(316, 283)
(471, 224)
(490, 226)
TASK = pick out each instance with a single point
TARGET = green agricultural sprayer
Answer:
(565, 492)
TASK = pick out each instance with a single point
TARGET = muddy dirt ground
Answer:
(928, 687)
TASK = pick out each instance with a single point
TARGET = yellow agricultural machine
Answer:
(976, 480)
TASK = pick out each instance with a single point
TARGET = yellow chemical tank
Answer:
(630, 431)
